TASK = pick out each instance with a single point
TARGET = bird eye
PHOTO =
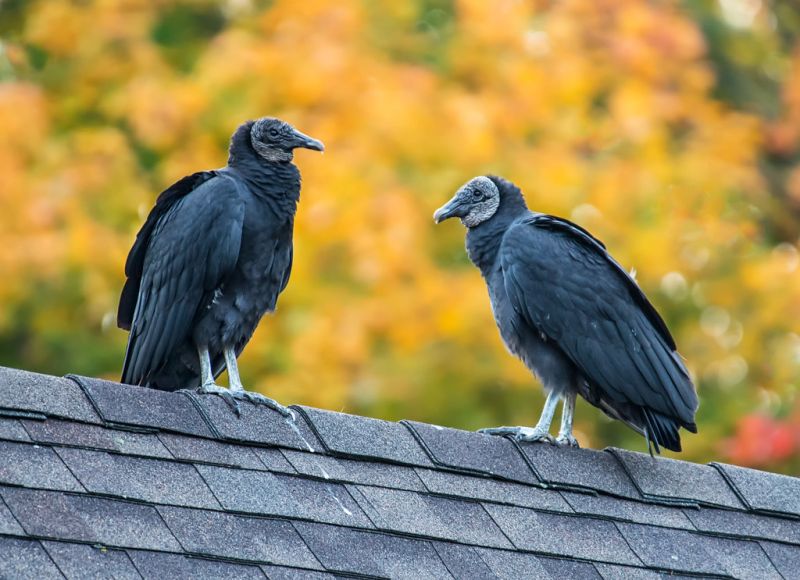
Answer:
(477, 195)
(273, 132)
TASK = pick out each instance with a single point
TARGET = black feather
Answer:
(208, 263)
(576, 317)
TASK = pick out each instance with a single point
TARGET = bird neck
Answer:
(275, 182)
(269, 173)
(483, 240)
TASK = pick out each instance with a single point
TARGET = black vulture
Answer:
(574, 316)
(209, 262)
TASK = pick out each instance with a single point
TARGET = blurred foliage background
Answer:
(669, 129)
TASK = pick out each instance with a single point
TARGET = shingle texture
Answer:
(101, 480)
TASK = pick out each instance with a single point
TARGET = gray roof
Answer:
(99, 479)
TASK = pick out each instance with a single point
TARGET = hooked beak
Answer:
(453, 208)
(303, 141)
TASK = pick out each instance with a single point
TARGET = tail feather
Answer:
(662, 430)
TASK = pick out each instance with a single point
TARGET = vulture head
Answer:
(275, 140)
(474, 203)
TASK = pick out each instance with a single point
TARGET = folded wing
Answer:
(187, 247)
(564, 283)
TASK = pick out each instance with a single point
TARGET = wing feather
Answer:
(187, 253)
(564, 283)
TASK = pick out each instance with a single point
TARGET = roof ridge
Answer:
(90, 461)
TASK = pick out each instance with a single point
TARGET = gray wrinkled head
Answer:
(275, 140)
(474, 203)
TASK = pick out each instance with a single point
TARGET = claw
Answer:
(500, 431)
(567, 441)
(259, 399)
(520, 433)
(232, 398)
(226, 395)
(535, 436)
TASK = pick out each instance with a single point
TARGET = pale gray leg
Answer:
(538, 433)
(565, 436)
(234, 380)
(238, 391)
(207, 383)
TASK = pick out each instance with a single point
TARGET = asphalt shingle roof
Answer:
(99, 479)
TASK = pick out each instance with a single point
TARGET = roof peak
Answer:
(155, 476)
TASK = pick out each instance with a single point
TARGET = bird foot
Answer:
(520, 433)
(259, 399)
(225, 394)
(567, 440)
(232, 398)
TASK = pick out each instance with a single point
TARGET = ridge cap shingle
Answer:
(112, 461)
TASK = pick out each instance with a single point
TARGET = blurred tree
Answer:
(670, 129)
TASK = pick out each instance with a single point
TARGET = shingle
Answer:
(463, 561)
(677, 482)
(742, 559)
(744, 524)
(256, 424)
(210, 451)
(632, 511)
(8, 525)
(52, 396)
(152, 480)
(265, 493)
(84, 562)
(160, 565)
(351, 471)
(784, 558)
(142, 407)
(614, 572)
(287, 573)
(242, 490)
(34, 466)
(560, 568)
(512, 565)
(667, 549)
(683, 551)
(563, 535)
(360, 552)
(12, 430)
(274, 460)
(465, 450)
(764, 491)
(420, 514)
(325, 502)
(88, 519)
(83, 435)
(235, 536)
(458, 485)
(361, 437)
(25, 559)
(579, 468)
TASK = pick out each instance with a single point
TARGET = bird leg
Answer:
(234, 380)
(207, 384)
(565, 436)
(538, 433)
(237, 390)
(206, 376)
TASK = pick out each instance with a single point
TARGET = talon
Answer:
(567, 441)
(536, 437)
(223, 393)
(254, 398)
(259, 399)
(519, 433)
(500, 431)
